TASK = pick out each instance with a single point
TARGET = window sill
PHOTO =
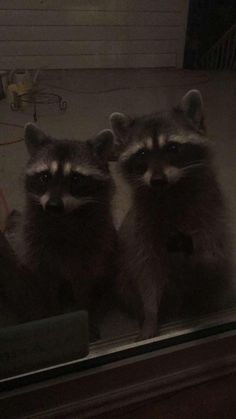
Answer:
(125, 381)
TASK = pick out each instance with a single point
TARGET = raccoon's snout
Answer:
(55, 206)
(159, 180)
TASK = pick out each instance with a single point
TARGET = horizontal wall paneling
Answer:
(159, 5)
(92, 34)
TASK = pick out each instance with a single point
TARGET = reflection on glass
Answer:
(170, 258)
(174, 240)
(135, 225)
(65, 239)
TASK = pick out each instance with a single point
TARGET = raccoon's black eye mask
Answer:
(182, 155)
(172, 153)
(81, 185)
(38, 182)
(78, 178)
(138, 163)
(44, 177)
(172, 147)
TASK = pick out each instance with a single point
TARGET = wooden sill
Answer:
(133, 374)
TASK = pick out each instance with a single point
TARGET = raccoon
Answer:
(174, 240)
(67, 238)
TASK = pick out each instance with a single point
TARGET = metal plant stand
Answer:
(38, 97)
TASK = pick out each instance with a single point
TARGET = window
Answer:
(117, 235)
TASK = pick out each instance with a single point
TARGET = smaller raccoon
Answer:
(67, 238)
(174, 239)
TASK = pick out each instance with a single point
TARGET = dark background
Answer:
(208, 21)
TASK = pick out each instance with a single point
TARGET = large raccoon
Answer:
(67, 237)
(174, 238)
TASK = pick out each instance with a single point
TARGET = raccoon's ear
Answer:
(120, 124)
(192, 105)
(102, 145)
(34, 138)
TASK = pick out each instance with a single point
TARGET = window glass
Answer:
(117, 179)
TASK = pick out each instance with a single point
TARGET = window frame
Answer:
(125, 381)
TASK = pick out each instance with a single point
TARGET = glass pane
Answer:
(117, 199)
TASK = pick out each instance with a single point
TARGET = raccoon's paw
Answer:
(148, 331)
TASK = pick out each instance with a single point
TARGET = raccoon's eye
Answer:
(141, 153)
(44, 177)
(77, 178)
(79, 181)
(139, 162)
(172, 147)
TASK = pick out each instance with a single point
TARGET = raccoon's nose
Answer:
(158, 180)
(55, 206)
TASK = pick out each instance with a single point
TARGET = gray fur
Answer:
(72, 254)
(155, 282)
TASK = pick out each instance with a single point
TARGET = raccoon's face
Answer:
(159, 150)
(63, 175)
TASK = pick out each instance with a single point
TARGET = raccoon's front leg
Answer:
(151, 289)
(82, 291)
(150, 310)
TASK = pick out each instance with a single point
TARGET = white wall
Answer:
(92, 33)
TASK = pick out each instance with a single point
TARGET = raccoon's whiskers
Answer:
(192, 166)
(138, 184)
(35, 199)
(72, 203)
(195, 161)
(89, 200)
